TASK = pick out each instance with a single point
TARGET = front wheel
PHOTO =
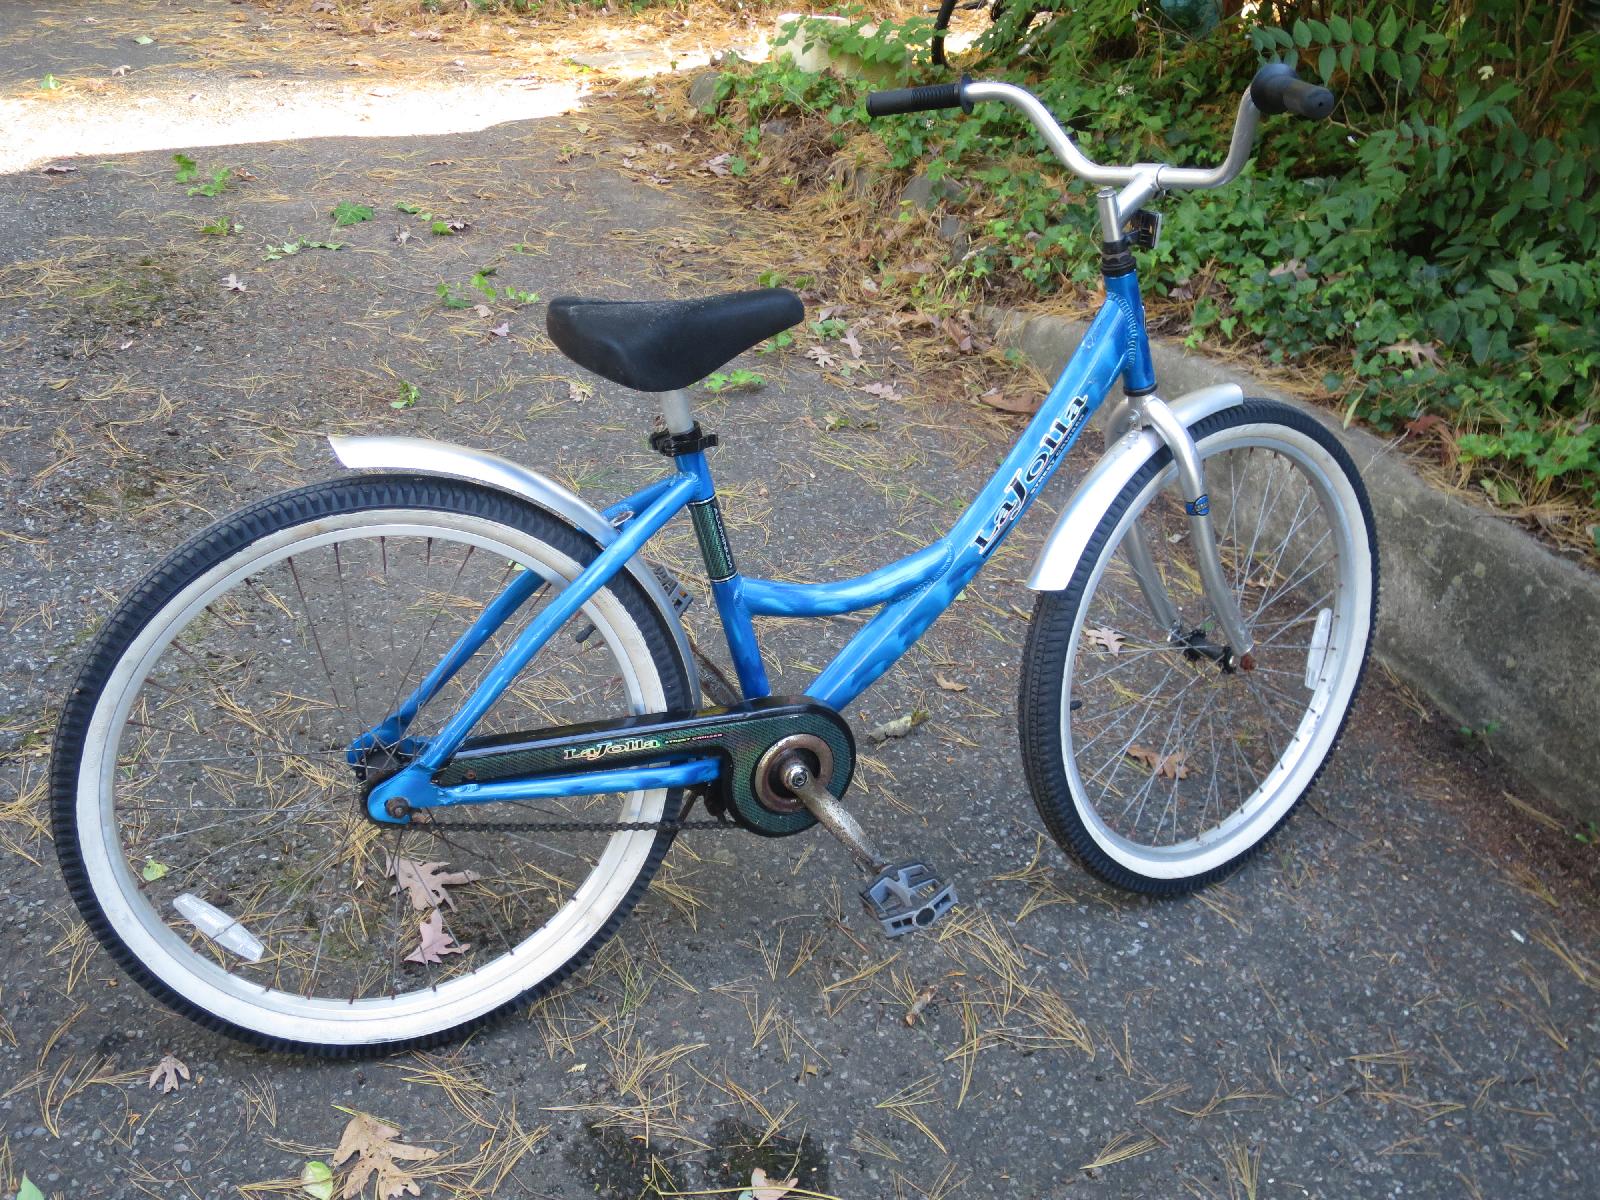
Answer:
(209, 770)
(1157, 762)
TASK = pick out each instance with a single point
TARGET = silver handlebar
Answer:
(1140, 181)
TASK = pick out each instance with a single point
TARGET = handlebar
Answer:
(920, 99)
(1275, 89)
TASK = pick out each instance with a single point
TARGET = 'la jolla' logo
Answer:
(606, 749)
(1026, 479)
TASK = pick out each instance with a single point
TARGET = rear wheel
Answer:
(212, 827)
(1152, 759)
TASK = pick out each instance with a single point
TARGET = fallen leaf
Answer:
(820, 356)
(436, 941)
(959, 331)
(122, 70)
(233, 283)
(897, 728)
(402, 236)
(1106, 638)
(28, 1189)
(377, 1156)
(483, 310)
(924, 997)
(425, 882)
(949, 685)
(153, 870)
(578, 391)
(884, 391)
(1025, 405)
(1293, 268)
(1172, 766)
(763, 1188)
(316, 1180)
(848, 337)
(1417, 352)
(167, 1073)
(718, 166)
(57, 169)
(502, 330)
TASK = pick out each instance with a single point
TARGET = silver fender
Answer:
(445, 458)
(1059, 556)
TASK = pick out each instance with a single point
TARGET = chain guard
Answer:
(738, 735)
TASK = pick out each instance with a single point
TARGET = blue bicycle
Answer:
(370, 762)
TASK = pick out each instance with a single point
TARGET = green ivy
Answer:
(1434, 248)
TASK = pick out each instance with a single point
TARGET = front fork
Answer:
(1135, 412)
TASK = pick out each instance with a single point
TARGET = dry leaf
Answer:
(959, 330)
(377, 1156)
(57, 169)
(502, 330)
(884, 391)
(1417, 352)
(1294, 268)
(949, 685)
(167, 1073)
(1024, 405)
(402, 236)
(436, 941)
(848, 337)
(924, 997)
(897, 728)
(233, 283)
(1172, 766)
(820, 356)
(483, 310)
(1106, 638)
(425, 882)
(762, 1188)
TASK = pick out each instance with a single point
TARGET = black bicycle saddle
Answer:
(662, 345)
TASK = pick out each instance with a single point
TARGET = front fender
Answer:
(1059, 556)
(385, 453)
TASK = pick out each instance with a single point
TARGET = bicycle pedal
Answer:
(907, 897)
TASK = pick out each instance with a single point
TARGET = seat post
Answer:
(675, 408)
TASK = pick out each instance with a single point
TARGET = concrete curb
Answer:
(1498, 631)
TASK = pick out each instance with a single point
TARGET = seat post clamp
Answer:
(664, 441)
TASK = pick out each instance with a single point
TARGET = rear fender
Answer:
(421, 455)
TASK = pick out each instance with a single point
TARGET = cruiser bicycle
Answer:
(370, 762)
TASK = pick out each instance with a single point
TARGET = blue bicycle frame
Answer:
(912, 592)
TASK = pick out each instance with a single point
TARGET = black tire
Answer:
(204, 558)
(1056, 644)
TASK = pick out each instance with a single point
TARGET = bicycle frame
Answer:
(912, 591)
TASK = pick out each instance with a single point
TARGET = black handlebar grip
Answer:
(919, 99)
(1276, 88)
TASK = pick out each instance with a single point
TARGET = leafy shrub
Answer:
(1434, 248)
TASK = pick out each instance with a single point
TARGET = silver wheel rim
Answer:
(1259, 812)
